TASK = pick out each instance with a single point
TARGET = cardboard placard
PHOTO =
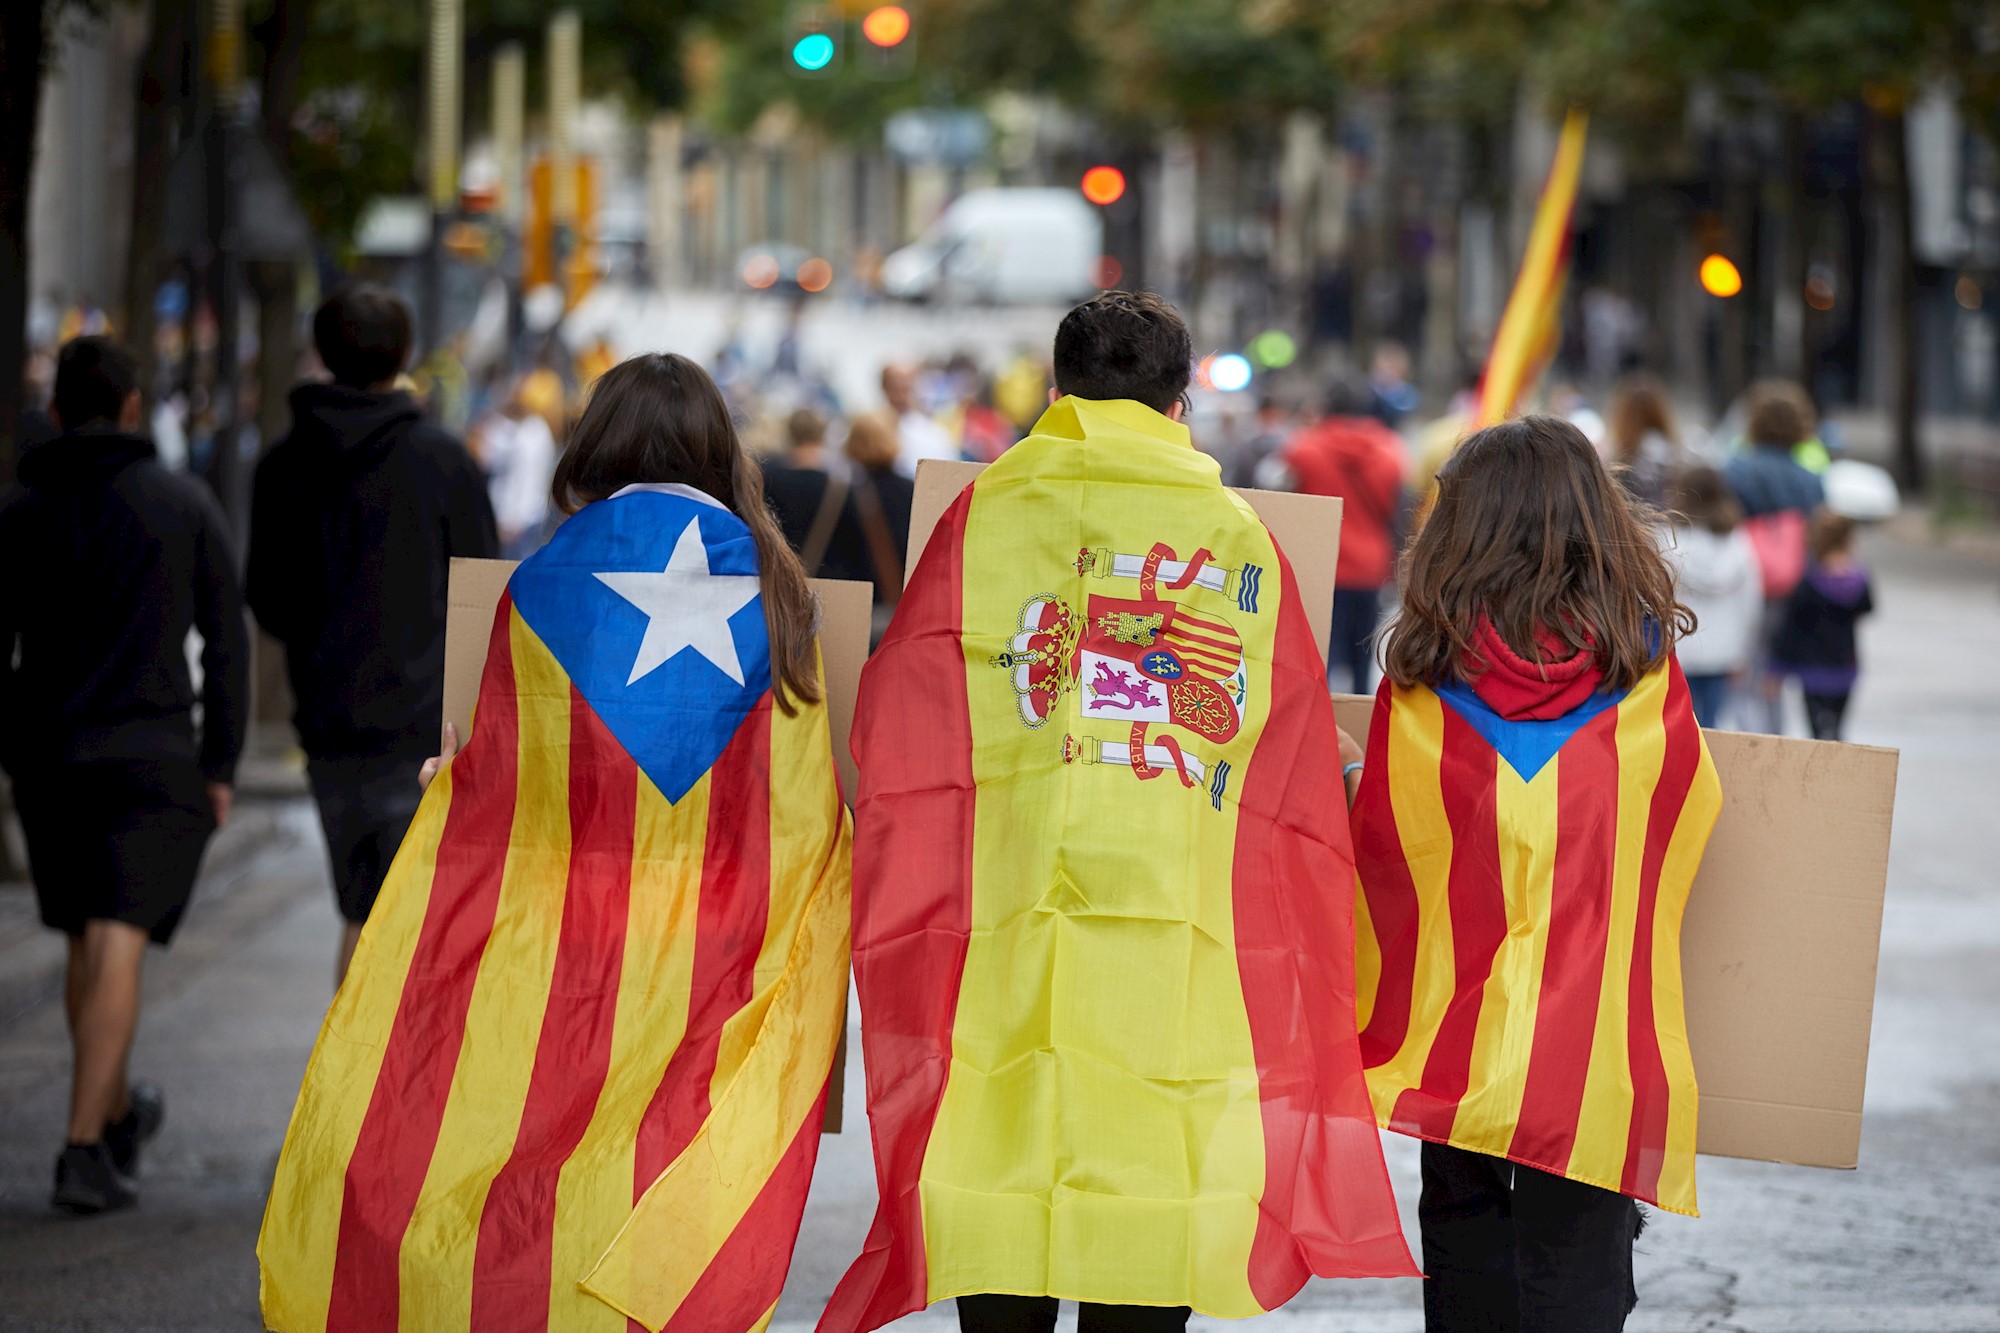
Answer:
(474, 595)
(1784, 923)
(1307, 529)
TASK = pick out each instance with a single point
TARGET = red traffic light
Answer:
(1104, 185)
(887, 25)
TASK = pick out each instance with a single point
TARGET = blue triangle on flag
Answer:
(1526, 744)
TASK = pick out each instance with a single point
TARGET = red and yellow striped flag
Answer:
(1532, 321)
(1102, 933)
(1519, 922)
(575, 1074)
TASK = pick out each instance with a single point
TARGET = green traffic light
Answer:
(814, 51)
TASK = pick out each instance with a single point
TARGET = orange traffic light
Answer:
(887, 25)
(1104, 185)
(1719, 277)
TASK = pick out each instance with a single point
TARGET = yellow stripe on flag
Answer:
(594, 1196)
(503, 1023)
(682, 1221)
(1604, 1124)
(1416, 753)
(1704, 803)
(1504, 1039)
(1527, 326)
(302, 1219)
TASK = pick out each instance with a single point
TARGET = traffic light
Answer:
(888, 47)
(812, 41)
(1103, 185)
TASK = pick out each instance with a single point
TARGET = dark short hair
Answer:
(1125, 345)
(1349, 394)
(94, 377)
(804, 427)
(363, 335)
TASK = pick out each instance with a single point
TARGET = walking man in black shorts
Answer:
(111, 561)
(355, 518)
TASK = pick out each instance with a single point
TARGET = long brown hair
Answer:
(1530, 533)
(658, 419)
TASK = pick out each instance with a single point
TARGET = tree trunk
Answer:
(158, 94)
(23, 36)
(1899, 254)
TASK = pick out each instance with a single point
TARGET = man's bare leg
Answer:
(350, 935)
(106, 1016)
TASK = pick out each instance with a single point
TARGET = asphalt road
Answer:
(1906, 1244)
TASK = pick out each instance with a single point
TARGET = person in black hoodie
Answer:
(113, 560)
(355, 517)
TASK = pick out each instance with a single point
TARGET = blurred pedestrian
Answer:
(882, 500)
(1348, 452)
(113, 561)
(1816, 638)
(1778, 496)
(356, 516)
(1531, 695)
(814, 505)
(918, 435)
(1716, 577)
(518, 451)
(1641, 441)
(1269, 430)
(1395, 397)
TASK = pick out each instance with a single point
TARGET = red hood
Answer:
(1520, 690)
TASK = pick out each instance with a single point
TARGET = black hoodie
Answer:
(356, 516)
(110, 560)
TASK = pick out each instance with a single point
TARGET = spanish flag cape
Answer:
(575, 1073)
(1525, 846)
(1103, 933)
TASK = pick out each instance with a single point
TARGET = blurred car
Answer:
(1003, 247)
(773, 266)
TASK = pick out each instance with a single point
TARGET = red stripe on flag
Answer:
(1645, 1148)
(912, 911)
(1326, 1206)
(1573, 961)
(385, 1173)
(731, 919)
(511, 1265)
(1393, 909)
(748, 1272)
(1477, 896)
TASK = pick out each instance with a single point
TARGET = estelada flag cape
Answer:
(1103, 912)
(1519, 918)
(576, 1070)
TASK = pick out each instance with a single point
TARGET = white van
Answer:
(1003, 247)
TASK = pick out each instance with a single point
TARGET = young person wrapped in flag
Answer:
(575, 1076)
(1103, 930)
(1534, 806)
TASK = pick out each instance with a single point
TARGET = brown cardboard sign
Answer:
(1306, 527)
(1779, 944)
(474, 596)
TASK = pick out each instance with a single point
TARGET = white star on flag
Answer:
(686, 607)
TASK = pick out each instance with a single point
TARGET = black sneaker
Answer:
(123, 1137)
(87, 1183)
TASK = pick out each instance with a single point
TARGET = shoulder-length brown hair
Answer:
(1638, 408)
(1530, 533)
(659, 419)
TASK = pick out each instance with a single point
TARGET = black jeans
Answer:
(1352, 641)
(1037, 1314)
(1509, 1249)
(1824, 714)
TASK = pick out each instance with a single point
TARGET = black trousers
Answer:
(1824, 714)
(1037, 1314)
(1352, 641)
(1509, 1249)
